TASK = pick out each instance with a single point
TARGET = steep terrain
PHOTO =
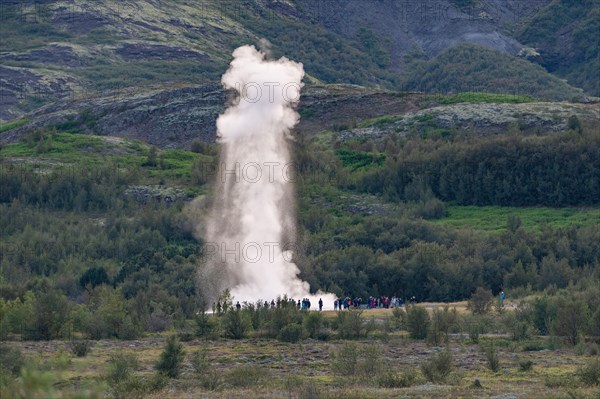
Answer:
(56, 49)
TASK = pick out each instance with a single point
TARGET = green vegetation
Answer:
(385, 360)
(171, 358)
(493, 219)
(476, 98)
(346, 61)
(438, 368)
(578, 63)
(508, 170)
(471, 68)
(4, 127)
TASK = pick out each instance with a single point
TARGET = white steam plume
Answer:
(250, 233)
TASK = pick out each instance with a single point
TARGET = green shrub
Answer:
(135, 387)
(246, 376)
(296, 387)
(590, 373)
(11, 360)
(211, 379)
(313, 322)
(80, 348)
(206, 325)
(571, 318)
(171, 358)
(351, 324)
(574, 124)
(235, 324)
(398, 318)
(199, 361)
(120, 367)
(438, 367)
(290, 333)
(442, 321)
(520, 330)
(390, 379)
(492, 359)
(417, 322)
(474, 330)
(525, 365)
(371, 363)
(345, 359)
(481, 301)
(309, 390)
(50, 312)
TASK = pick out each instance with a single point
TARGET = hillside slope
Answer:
(62, 50)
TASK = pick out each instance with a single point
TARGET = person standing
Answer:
(320, 304)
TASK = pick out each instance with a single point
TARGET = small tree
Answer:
(571, 319)
(152, 156)
(442, 321)
(574, 124)
(351, 324)
(513, 222)
(491, 354)
(480, 301)
(205, 324)
(171, 358)
(417, 322)
(235, 324)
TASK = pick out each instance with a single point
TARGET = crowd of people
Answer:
(371, 303)
(342, 303)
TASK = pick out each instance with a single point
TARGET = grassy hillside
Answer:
(566, 35)
(479, 69)
(59, 50)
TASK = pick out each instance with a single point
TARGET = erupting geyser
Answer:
(249, 236)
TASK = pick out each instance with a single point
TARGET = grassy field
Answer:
(71, 149)
(12, 124)
(493, 219)
(259, 368)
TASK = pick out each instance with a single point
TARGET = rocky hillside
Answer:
(89, 50)
(174, 116)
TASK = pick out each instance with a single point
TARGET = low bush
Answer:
(345, 359)
(246, 376)
(199, 361)
(351, 360)
(313, 323)
(392, 379)
(438, 367)
(11, 360)
(590, 373)
(525, 365)
(121, 366)
(80, 348)
(290, 333)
